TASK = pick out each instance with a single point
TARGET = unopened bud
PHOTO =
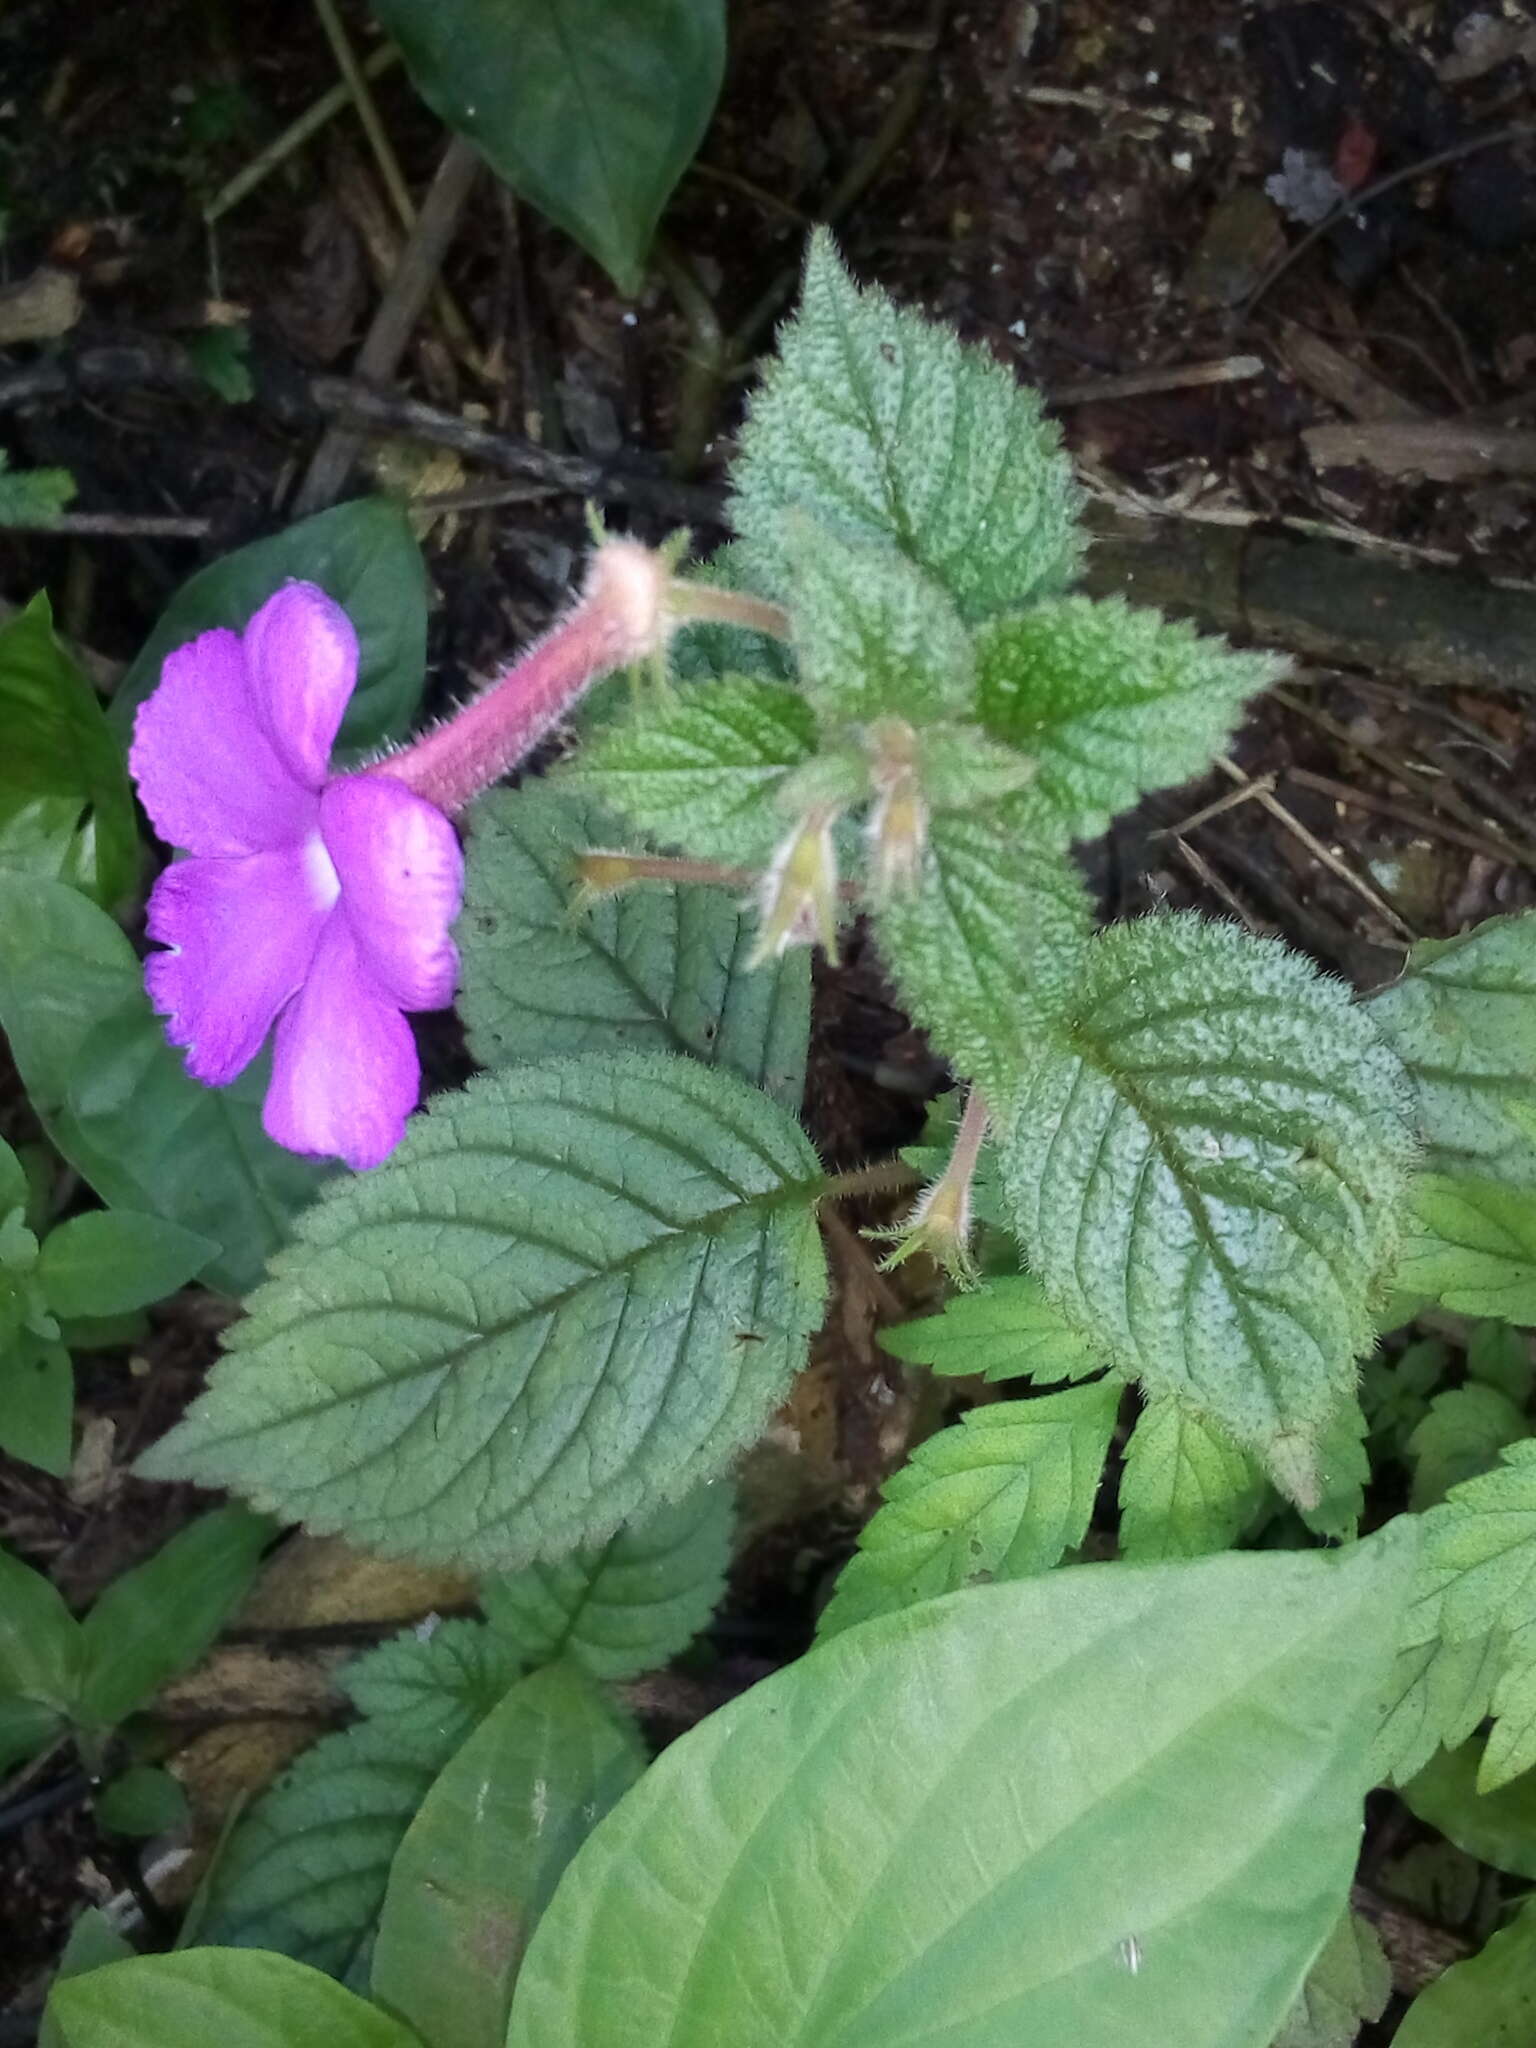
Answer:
(940, 1225)
(798, 894)
(898, 820)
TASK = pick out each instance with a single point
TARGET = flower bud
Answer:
(798, 894)
(898, 820)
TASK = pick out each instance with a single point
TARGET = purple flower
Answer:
(320, 904)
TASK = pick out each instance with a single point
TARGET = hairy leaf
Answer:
(1496, 1827)
(306, 1868)
(1487, 2002)
(919, 1832)
(653, 969)
(481, 1859)
(364, 554)
(989, 946)
(590, 109)
(1006, 1330)
(627, 1605)
(1207, 1172)
(1461, 1436)
(1186, 1488)
(66, 810)
(1110, 701)
(1002, 1494)
(572, 1294)
(1350, 1982)
(202, 1995)
(159, 1618)
(885, 427)
(115, 1097)
(1472, 1247)
(1463, 1020)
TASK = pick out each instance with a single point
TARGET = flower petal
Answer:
(207, 773)
(242, 934)
(301, 656)
(402, 881)
(345, 1075)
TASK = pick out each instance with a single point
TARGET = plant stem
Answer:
(707, 601)
(884, 1177)
(293, 137)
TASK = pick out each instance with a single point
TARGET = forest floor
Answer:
(1102, 193)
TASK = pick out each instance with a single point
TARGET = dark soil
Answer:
(1078, 184)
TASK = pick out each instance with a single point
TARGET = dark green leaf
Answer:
(112, 1260)
(66, 811)
(572, 1294)
(653, 969)
(591, 109)
(114, 1095)
(40, 1660)
(972, 1823)
(364, 555)
(1497, 1827)
(238, 1998)
(480, 1861)
(160, 1617)
(1006, 1330)
(1488, 2002)
(37, 1403)
(144, 1801)
(1461, 1436)
(1498, 1356)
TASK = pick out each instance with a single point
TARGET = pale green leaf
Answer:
(1488, 2001)
(1005, 1330)
(700, 768)
(480, 1861)
(1437, 1693)
(590, 109)
(1002, 1494)
(109, 1261)
(572, 1294)
(1206, 1173)
(1496, 1827)
(159, 1618)
(1463, 1020)
(1472, 1247)
(1343, 1468)
(972, 1823)
(627, 1605)
(1483, 1538)
(1350, 1982)
(989, 946)
(1109, 701)
(652, 969)
(115, 1098)
(234, 1997)
(1461, 1436)
(875, 636)
(306, 1868)
(885, 427)
(1185, 1488)
(1511, 1749)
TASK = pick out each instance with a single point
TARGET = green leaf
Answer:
(1395, 1392)
(1006, 1330)
(115, 1098)
(1496, 1827)
(590, 109)
(990, 945)
(1186, 1488)
(363, 554)
(1487, 2002)
(1350, 1982)
(1342, 1468)
(1498, 1356)
(93, 1941)
(235, 1997)
(572, 1293)
(37, 1404)
(875, 636)
(919, 1832)
(1002, 1494)
(1461, 1436)
(628, 1605)
(883, 426)
(221, 357)
(160, 1617)
(1474, 1247)
(32, 497)
(15, 1188)
(144, 1800)
(481, 1860)
(1206, 1173)
(700, 768)
(1110, 702)
(109, 1261)
(306, 1868)
(653, 969)
(1463, 1020)
(1438, 1691)
(40, 1660)
(66, 810)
